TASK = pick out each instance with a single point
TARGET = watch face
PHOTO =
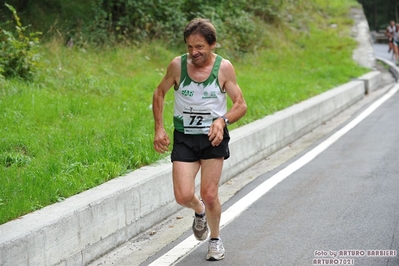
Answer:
(226, 121)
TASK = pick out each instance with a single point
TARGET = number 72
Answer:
(198, 118)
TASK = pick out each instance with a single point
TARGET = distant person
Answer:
(389, 33)
(395, 36)
(201, 81)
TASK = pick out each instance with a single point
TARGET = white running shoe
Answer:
(215, 250)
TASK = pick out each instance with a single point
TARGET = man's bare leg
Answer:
(211, 171)
(184, 185)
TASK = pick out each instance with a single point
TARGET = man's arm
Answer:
(228, 81)
(161, 139)
(239, 107)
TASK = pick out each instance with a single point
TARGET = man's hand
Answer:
(216, 132)
(161, 141)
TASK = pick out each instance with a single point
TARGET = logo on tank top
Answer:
(187, 93)
(208, 95)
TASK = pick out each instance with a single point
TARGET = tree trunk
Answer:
(375, 17)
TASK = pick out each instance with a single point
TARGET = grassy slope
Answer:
(87, 117)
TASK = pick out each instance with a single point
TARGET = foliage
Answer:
(18, 54)
(111, 22)
(135, 21)
(268, 10)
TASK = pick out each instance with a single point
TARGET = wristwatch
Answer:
(226, 121)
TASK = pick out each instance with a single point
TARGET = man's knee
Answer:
(184, 199)
(210, 199)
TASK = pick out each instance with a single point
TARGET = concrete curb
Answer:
(371, 79)
(392, 67)
(88, 225)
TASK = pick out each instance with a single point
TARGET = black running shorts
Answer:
(192, 148)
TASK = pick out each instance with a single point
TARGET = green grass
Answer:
(87, 117)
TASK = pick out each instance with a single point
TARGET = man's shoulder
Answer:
(176, 62)
(176, 59)
(226, 64)
(174, 67)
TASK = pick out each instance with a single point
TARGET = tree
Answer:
(380, 12)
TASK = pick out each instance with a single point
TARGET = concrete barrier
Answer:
(88, 225)
(394, 69)
(372, 80)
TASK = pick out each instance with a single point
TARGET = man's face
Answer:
(392, 23)
(198, 49)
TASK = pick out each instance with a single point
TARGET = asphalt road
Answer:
(381, 49)
(339, 208)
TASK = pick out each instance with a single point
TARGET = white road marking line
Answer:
(190, 243)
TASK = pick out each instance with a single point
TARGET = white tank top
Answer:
(197, 104)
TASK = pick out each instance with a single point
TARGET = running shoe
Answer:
(200, 227)
(215, 250)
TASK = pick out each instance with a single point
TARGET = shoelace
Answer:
(214, 245)
(199, 222)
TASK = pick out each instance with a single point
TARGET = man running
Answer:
(395, 37)
(201, 79)
(389, 33)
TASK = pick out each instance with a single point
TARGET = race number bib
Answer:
(197, 120)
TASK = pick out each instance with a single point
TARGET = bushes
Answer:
(111, 22)
(241, 25)
(135, 21)
(18, 57)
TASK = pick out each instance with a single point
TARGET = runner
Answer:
(389, 33)
(201, 81)
(396, 43)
